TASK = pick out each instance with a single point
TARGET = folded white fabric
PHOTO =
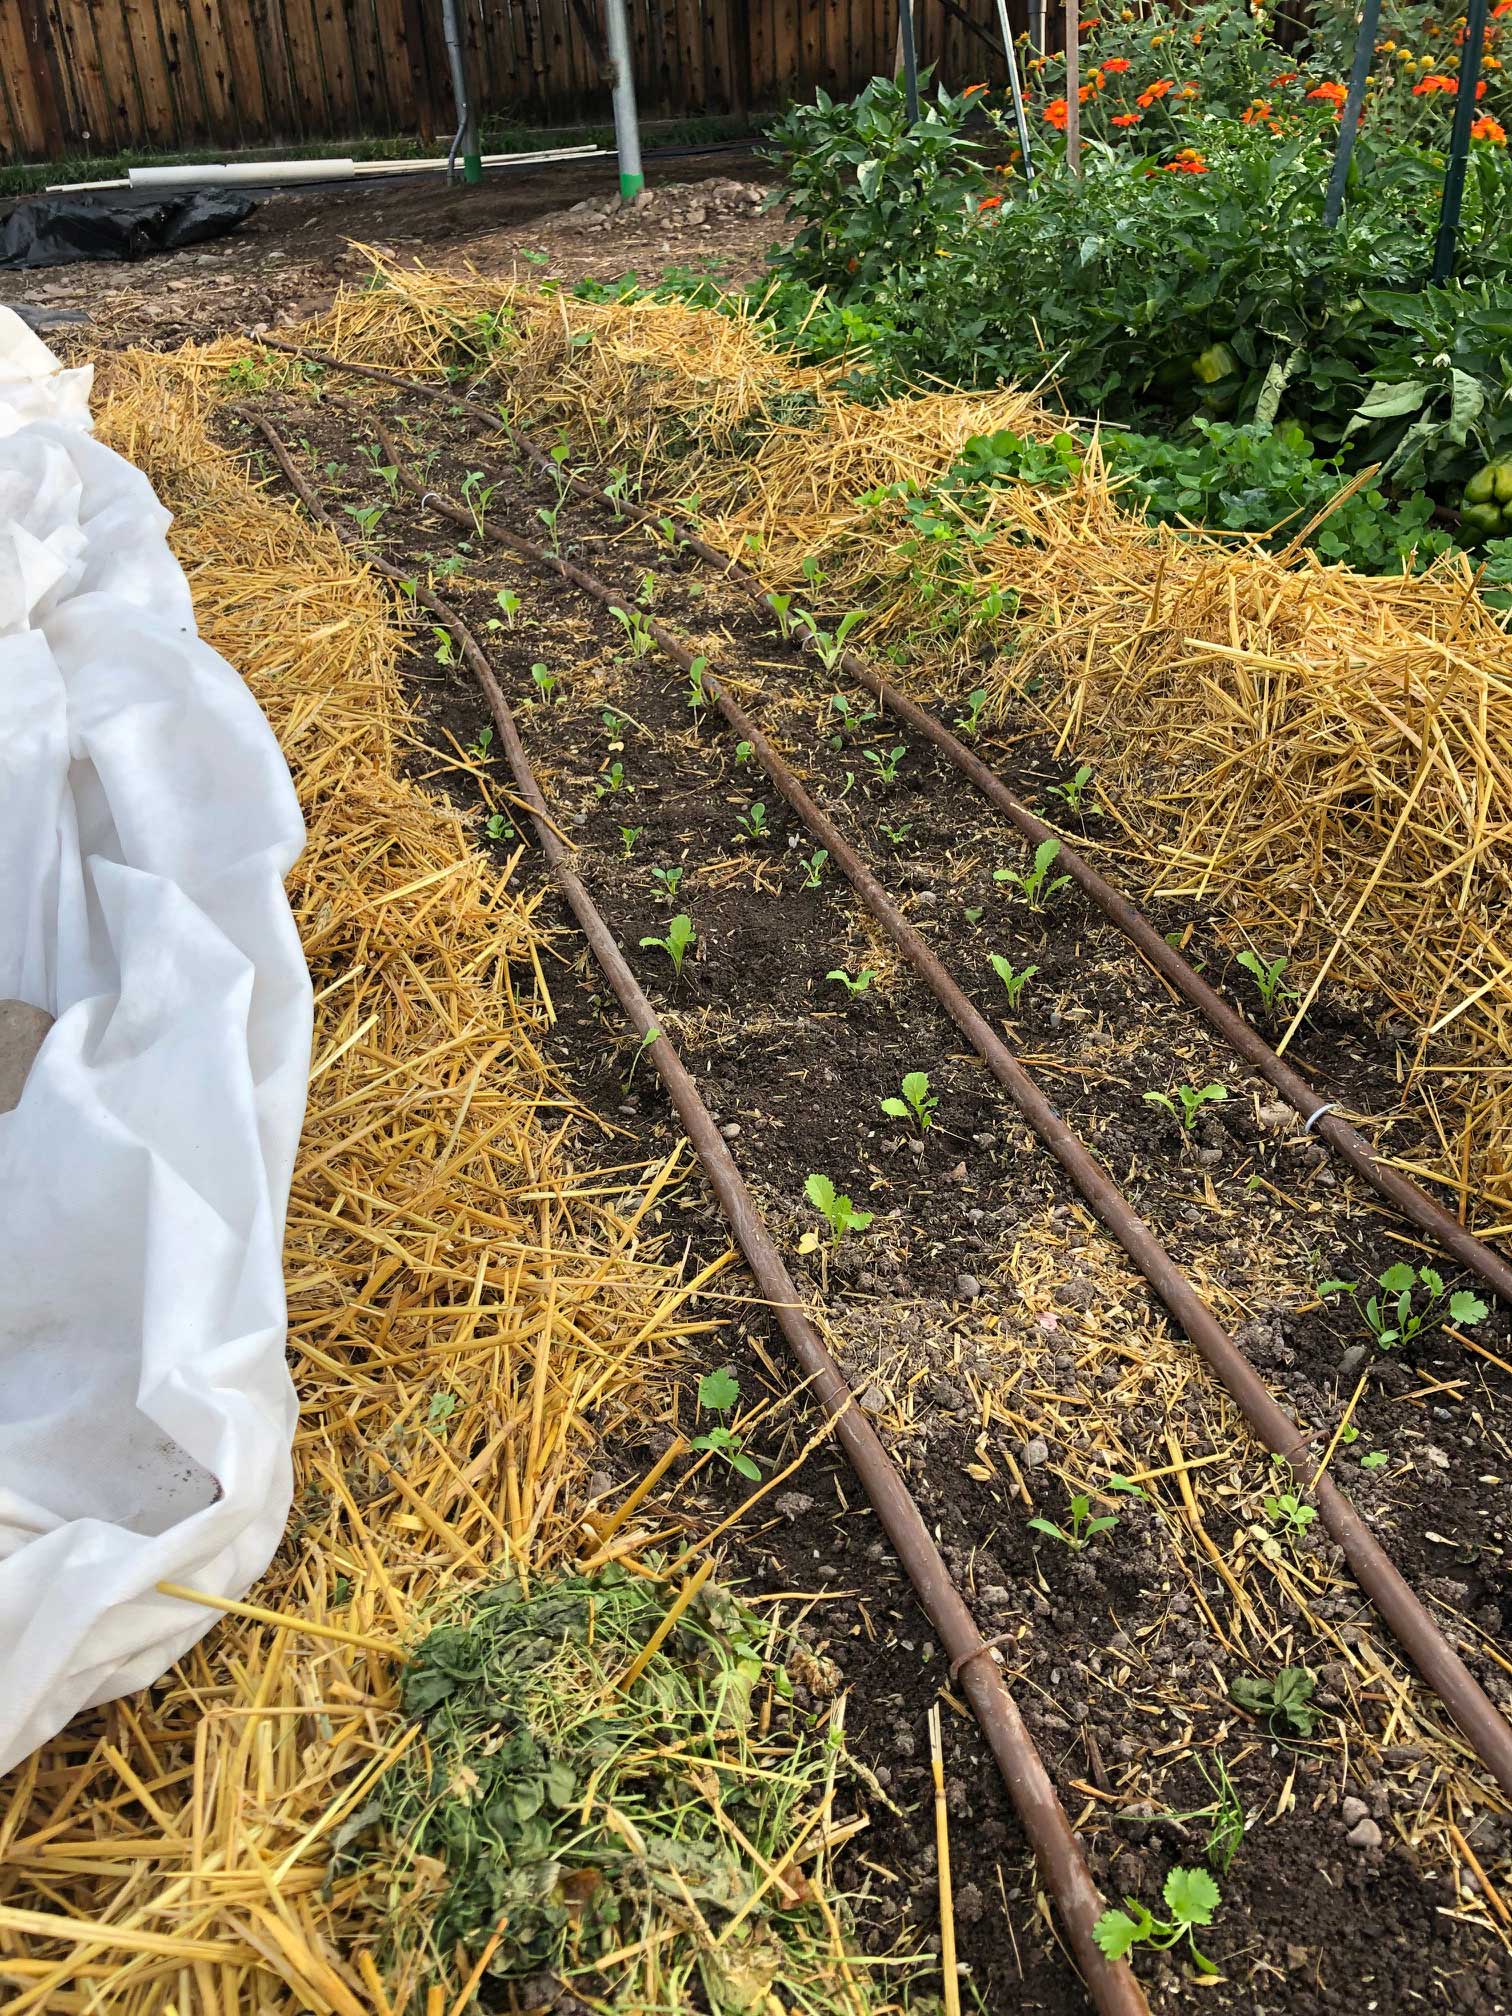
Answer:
(146, 823)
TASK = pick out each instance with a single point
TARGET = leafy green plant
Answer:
(446, 646)
(1034, 883)
(628, 837)
(813, 868)
(613, 781)
(1289, 1514)
(838, 1211)
(637, 631)
(368, 516)
(1014, 981)
(854, 987)
(1191, 1897)
(970, 721)
(1188, 1102)
(1285, 1700)
(742, 752)
(477, 496)
(680, 936)
(1082, 1524)
(754, 823)
(918, 1103)
(696, 697)
(854, 721)
(480, 747)
(509, 602)
(830, 647)
(1074, 790)
(895, 833)
(669, 879)
(781, 607)
(885, 762)
(1394, 1315)
(546, 683)
(718, 1392)
(1266, 975)
(497, 827)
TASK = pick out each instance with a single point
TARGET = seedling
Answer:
(841, 1214)
(1290, 1514)
(1376, 1460)
(640, 1050)
(887, 764)
(613, 781)
(781, 607)
(1015, 982)
(680, 935)
(974, 913)
(509, 602)
(831, 648)
(718, 1392)
(969, 722)
(696, 694)
(854, 721)
(1191, 1896)
(479, 749)
(918, 1102)
(617, 488)
(1191, 1098)
(498, 827)
(754, 823)
(546, 682)
(1074, 790)
(637, 631)
(628, 837)
(614, 726)
(446, 647)
(1390, 1316)
(813, 868)
(647, 593)
(476, 495)
(1083, 1528)
(1286, 1700)
(898, 834)
(742, 752)
(369, 517)
(813, 573)
(1267, 977)
(1034, 884)
(669, 879)
(386, 470)
(998, 602)
(548, 515)
(854, 987)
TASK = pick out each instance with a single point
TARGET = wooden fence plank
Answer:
(23, 137)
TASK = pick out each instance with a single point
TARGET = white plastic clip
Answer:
(1331, 1107)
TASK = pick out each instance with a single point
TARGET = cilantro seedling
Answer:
(680, 935)
(918, 1102)
(1033, 883)
(718, 1392)
(1266, 975)
(854, 987)
(1192, 1099)
(1014, 982)
(838, 1211)
(1083, 1526)
(1287, 1700)
(1392, 1316)
(1191, 1896)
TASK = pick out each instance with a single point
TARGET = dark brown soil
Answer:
(982, 1299)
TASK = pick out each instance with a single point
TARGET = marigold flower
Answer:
(1187, 162)
(1056, 114)
(1286, 77)
(1489, 129)
(1157, 90)
(1116, 65)
(1256, 113)
(1127, 119)
(990, 203)
(972, 89)
(1435, 81)
(1330, 93)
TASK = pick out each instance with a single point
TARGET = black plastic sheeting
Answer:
(59, 230)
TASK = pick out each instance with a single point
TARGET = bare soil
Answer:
(1004, 1350)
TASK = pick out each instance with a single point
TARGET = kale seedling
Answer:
(1391, 1317)
(898, 834)
(1192, 1097)
(831, 648)
(1074, 791)
(813, 868)
(918, 1102)
(1015, 982)
(369, 517)
(1191, 1897)
(754, 823)
(969, 722)
(841, 1214)
(509, 602)
(1083, 1527)
(669, 879)
(1266, 975)
(680, 935)
(1037, 890)
(1286, 1699)
(717, 1394)
(887, 763)
(854, 987)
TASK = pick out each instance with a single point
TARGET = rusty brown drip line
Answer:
(1111, 1985)
(1440, 1666)
(1351, 1146)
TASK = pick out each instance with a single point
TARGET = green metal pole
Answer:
(1459, 143)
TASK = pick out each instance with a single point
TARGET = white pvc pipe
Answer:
(221, 173)
(622, 90)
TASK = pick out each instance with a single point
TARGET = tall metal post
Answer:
(622, 84)
(1017, 88)
(910, 58)
(466, 135)
(1366, 23)
(1447, 242)
(1073, 86)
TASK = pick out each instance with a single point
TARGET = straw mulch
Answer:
(1321, 759)
(460, 1298)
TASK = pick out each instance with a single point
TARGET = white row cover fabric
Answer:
(146, 823)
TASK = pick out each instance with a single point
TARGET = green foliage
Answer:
(1290, 1514)
(718, 1392)
(1282, 1703)
(482, 744)
(813, 868)
(754, 823)
(1082, 1524)
(917, 1104)
(854, 987)
(1395, 1315)
(680, 936)
(885, 763)
(1032, 883)
(838, 1211)
(1074, 791)
(637, 631)
(1266, 975)
(1191, 1897)
(1188, 1101)
(969, 722)
(1014, 981)
(546, 683)
(669, 878)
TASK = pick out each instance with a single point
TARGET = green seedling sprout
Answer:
(754, 823)
(612, 781)
(680, 935)
(1391, 1317)
(479, 749)
(854, 721)
(446, 647)
(1191, 1896)
(1083, 1528)
(546, 682)
(1290, 1514)
(1267, 978)
(476, 495)
(887, 763)
(838, 1211)
(1286, 1700)
(628, 837)
(1074, 790)
(497, 827)
(369, 517)
(1191, 1098)
(696, 695)
(813, 573)
(854, 987)
(548, 515)
(918, 1103)
(646, 595)
(970, 721)
(617, 488)
(813, 868)
(781, 607)
(637, 631)
(742, 752)
(898, 834)
(1014, 982)
(831, 648)
(718, 1392)
(509, 602)
(614, 726)
(669, 879)
(1033, 884)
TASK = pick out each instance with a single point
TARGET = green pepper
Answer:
(1216, 362)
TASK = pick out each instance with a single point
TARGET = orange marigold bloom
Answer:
(1286, 77)
(1501, 7)
(990, 203)
(1330, 93)
(1157, 90)
(1056, 114)
(972, 89)
(1492, 130)
(1127, 119)
(1427, 86)
(1256, 113)
(1116, 65)
(1187, 91)
(1187, 162)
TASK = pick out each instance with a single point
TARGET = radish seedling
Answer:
(546, 682)
(1014, 982)
(841, 1214)
(669, 879)
(717, 1394)
(854, 987)
(1267, 977)
(1074, 790)
(1391, 1317)
(628, 837)
(969, 721)
(813, 868)
(1191, 1897)
(1192, 1097)
(680, 935)
(887, 764)
(918, 1102)
(1084, 1527)
(1036, 889)
(754, 823)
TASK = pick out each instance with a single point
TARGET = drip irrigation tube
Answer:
(1440, 1666)
(1329, 1127)
(1111, 1985)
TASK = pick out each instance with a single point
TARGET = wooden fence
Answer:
(81, 77)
